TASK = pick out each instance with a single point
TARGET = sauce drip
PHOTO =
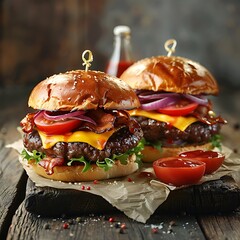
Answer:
(145, 175)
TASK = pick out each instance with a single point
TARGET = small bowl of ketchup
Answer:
(179, 171)
(212, 159)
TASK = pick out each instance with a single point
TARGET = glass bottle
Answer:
(122, 56)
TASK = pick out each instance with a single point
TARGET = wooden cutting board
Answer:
(210, 197)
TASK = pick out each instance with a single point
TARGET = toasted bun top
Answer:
(170, 74)
(82, 90)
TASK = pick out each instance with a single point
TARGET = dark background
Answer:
(40, 38)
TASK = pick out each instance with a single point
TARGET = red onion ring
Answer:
(147, 96)
(197, 99)
(77, 115)
(36, 114)
(158, 104)
(166, 99)
(64, 116)
(84, 118)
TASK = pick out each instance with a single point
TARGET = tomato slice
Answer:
(179, 171)
(179, 109)
(212, 159)
(55, 127)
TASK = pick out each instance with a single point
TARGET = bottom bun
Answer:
(150, 153)
(75, 174)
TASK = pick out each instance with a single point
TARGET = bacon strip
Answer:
(202, 114)
(27, 123)
(49, 163)
(104, 121)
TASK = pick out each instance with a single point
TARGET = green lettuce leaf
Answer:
(106, 164)
(157, 144)
(216, 141)
(35, 155)
(87, 164)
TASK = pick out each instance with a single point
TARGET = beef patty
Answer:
(120, 142)
(197, 132)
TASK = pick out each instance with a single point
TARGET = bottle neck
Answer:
(121, 57)
(122, 49)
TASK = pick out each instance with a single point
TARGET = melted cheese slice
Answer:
(177, 121)
(96, 140)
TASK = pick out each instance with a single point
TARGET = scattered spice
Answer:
(65, 226)
(117, 225)
(129, 180)
(154, 230)
(145, 175)
(170, 227)
(123, 226)
(95, 182)
(111, 219)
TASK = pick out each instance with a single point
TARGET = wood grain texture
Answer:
(221, 227)
(12, 187)
(98, 227)
(211, 197)
(12, 176)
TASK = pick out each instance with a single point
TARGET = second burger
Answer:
(175, 114)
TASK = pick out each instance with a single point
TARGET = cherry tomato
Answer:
(212, 159)
(55, 127)
(179, 110)
(179, 171)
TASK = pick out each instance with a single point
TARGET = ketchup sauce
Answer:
(179, 163)
(179, 171)
(212, 159)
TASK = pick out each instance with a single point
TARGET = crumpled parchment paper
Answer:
(138, 197)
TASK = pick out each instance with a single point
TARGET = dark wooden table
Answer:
(17, 223)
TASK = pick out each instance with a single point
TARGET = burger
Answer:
(79, 130)
(175, 114)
